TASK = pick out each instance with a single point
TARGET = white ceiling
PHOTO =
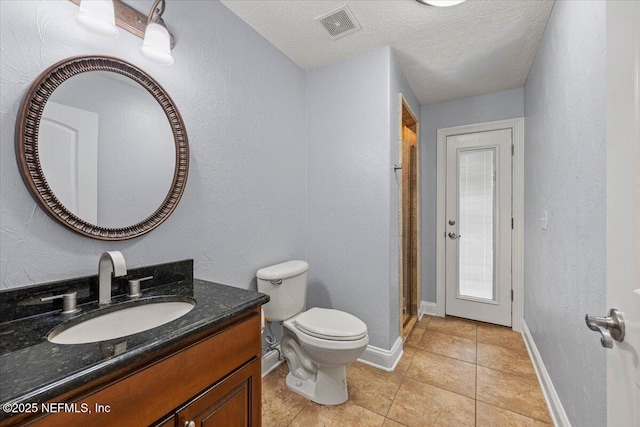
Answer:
(477, 47)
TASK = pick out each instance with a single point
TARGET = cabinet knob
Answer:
(189, 424)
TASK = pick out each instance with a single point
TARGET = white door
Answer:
(478, 226)
(623, 208)
(68, 152)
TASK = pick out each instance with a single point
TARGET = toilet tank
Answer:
(286, 284)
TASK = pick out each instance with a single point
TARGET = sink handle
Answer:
(69, 301)
(134, 286)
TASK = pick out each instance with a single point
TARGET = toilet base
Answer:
(329, 387)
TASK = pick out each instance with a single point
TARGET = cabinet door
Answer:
(233, 402)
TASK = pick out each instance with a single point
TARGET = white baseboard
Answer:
(270, 361)
(558, 415)
(426, 307)
(387, 360)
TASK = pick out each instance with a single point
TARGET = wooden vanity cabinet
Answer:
(233, 402)
(213, 381)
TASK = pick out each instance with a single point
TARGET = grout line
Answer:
(396, 395)
(524, 376)
(302, 407)
(529, 377)
(510, 409)
(517, 413)
(448, 357)
(475, 395)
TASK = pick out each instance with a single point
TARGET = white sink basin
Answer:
(123, 322)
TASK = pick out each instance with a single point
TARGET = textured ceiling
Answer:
(477, 47)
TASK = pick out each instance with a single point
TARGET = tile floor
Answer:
(454, 372)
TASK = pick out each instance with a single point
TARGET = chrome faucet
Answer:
(110, 262)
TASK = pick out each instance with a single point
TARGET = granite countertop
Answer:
(34, 370)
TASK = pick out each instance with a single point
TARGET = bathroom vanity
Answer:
(203, 368)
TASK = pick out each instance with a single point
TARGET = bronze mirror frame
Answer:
(26, 144)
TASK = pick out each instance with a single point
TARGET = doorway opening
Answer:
(479, 228)
(409, 213)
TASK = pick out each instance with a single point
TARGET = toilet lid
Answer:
(331, 324)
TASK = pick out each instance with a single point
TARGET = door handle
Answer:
(610, 327)
(453, 235)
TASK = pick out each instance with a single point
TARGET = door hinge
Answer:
(513, 149)
(511, 294)
(512, 223)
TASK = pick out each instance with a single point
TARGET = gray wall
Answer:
(243, 104)
(565, 174)
(348, 189)
(250, 114)
(502, 105)
(352, 137)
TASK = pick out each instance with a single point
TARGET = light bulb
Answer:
(157, 44)
(97, 16)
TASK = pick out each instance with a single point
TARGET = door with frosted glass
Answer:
(478, 226)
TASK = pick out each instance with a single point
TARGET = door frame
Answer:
(402, 102)
(517, 235)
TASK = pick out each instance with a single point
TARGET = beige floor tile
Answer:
(346, 415)
(390, 423)
(444, 372)
(449, 345)
(422, 323)
(372, 388)
(500, 335)
(507, 359)
(414, 338)
(423, 405)
(405, 360)
(454, 326)
(491, 416)
(512, 392)
(279, 404)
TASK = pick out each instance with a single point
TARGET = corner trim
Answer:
(387, 360)
(558, 414)
(426, 307)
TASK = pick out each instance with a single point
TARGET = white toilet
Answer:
(318, 343)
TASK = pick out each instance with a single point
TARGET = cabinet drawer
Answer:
(233, 402)
(144, 396)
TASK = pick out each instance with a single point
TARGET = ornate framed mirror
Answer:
(102, 147)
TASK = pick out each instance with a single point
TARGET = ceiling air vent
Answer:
(339, 22)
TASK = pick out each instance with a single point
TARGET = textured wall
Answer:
(243, 105)
(348, 189)
(565, 175)
(502, 105)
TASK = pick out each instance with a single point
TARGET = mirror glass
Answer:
(106, 149)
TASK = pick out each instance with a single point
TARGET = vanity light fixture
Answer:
(102, 16)
(97, 16)
(440, 3)
(158, 42)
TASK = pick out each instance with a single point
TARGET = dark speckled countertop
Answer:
(35, 370)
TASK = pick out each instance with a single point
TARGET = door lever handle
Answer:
(454, 236)
(610, 327)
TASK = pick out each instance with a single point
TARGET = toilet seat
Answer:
(329, 324)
